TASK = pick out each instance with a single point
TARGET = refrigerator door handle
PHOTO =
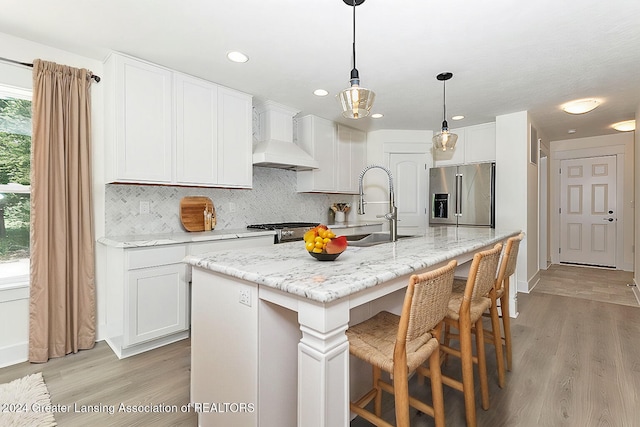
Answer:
(459, 194)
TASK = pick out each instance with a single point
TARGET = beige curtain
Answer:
(62, 314)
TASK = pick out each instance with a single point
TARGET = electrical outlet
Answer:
(232, 207)
(245, 297)
(144, 208)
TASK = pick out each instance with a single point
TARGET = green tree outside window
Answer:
(15, 166)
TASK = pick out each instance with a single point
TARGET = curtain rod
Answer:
(26, 64)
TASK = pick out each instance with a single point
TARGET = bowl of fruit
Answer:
(323, 244)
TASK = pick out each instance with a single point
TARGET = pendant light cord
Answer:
(354, 34)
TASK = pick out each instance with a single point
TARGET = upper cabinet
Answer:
(213, 134)
(351, 158)
(196, 130)
(139, 121)
(164, 127)
(476, 144)
(340, 152)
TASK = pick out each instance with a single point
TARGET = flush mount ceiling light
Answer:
(237, 57)
(445, 140)
(320, 92)
(580, 106)
(377, 115)
(356, 101)
(457, 117)
(626, 126)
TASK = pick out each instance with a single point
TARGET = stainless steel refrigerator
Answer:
(463, 195)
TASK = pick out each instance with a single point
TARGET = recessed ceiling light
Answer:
(580, 106)
(626, 126)
(457, 117)
(376, 115)
(237, 57)
(571, 131)
(320, 92)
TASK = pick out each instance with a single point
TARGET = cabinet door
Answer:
(143, 117)
(317, 136)
(480, 143)
(155, 303)
(196, 131)
(351, 153)
(235, 162)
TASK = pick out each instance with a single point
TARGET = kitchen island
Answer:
(268, 341)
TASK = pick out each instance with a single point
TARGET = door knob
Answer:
(608, 219)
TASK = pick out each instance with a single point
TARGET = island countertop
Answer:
(289, 268)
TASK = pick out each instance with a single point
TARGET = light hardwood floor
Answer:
(576, 359)
(576, 363)
(97, 377)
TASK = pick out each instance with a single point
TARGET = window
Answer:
(15, 166)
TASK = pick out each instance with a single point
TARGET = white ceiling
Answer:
(506, 55)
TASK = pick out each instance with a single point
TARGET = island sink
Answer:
(364, 240)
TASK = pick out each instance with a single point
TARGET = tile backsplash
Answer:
(272, 199)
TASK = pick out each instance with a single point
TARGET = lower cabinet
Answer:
(147, 298)
(148, 292)
(156, 303)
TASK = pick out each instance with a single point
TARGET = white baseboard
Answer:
(13, 354)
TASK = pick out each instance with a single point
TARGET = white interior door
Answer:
(410, 176)
(587, 214)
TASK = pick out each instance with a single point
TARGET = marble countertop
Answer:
(143, 240)
(289, 268)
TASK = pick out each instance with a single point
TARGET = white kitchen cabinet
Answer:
(147, 298)
(480, 143)
(351, 159)
(165, 127)
(476, 144)
(235, 157)
(148, 294)
(340, 152)
(196, 130)
(317, 136)
(139, 121)
(213, 134)
(155, 304)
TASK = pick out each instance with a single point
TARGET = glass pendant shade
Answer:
(356, 101)
(445, 140)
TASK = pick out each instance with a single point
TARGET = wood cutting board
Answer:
(192, 212)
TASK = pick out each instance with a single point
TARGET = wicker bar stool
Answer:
(399, 345)
(507, 269)
(465, 312)
(500, 291)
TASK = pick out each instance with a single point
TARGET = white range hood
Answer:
(275, 147)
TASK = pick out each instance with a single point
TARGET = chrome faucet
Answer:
(392, 215)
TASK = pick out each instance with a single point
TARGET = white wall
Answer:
(21, 77)
(620, 144)
(512, 169)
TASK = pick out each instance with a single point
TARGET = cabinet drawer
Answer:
(152, 257)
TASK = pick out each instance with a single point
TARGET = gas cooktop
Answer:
(286, 231)
(283, 225)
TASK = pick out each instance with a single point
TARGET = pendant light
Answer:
(445, 140)
(356, 101)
